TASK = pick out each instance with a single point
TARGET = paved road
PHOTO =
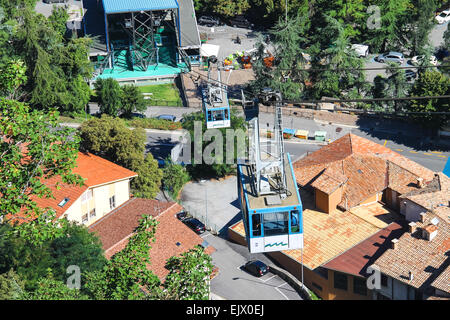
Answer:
(234, 283)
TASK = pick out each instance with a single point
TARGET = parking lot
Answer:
(233, 282)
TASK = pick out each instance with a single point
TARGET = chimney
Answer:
(429, 232)
(422, 217)
(410, 276)
(394, 243)
(420, 183)
(412, 227)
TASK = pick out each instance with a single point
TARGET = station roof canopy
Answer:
(119, 6)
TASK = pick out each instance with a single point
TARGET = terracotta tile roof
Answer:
(425, 259)
(171, 239)
(356, 259)
(435, 197)
(365, 166)
(442, 282)
(97, 170)
(325, 235)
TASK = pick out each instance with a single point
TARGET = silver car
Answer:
(391, 56)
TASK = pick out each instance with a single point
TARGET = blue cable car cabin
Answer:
(271, 223)
(217, 113)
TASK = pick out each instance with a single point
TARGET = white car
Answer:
(361, 50)
(416, 60)
(443, 17)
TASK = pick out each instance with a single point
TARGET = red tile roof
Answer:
(361, 166)
(95, 170)
(356, 259)
(118, 226)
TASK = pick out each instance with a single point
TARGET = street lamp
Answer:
(206, 201)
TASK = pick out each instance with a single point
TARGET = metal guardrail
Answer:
(164, 103)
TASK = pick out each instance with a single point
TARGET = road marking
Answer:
(399, 150)
(385, 141)
(282, 293)
(427, 154)
(413, 152)
(268, 279)
(441, 156)
(435, 151)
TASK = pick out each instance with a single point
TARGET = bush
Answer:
(153, 123)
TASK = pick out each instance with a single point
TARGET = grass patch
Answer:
(162, 94)
(75, 118)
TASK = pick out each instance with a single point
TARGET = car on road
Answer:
(209, 21)
(241, 22)
(390, 56)
(168, 117)
(361, 49)
(417, 60)
(443, 17)
(195, 225)
(256, 268)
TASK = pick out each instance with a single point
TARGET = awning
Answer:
(208, 50)
(117, 6)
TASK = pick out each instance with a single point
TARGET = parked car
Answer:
(390, 56)
(240, 22)
(209, 21)
(361, 50)
(417, 60)
(182, 215)
(168, 117)
(195, 225)
(256, 267)
(443, 17)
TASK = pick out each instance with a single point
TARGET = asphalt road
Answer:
(233, 282)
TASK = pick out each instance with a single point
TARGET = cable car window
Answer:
(226, 115)
(256, 225)
(275, 223)
(218, 115)
(295, 226)
(209, 116)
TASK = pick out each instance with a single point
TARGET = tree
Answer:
(389, 36)
(12, 76)
(148, 181)
(58, 19)
(109, 96)
(423, 12)
(216, 153)
(333, 54)
(49, 288)
(397, 85)
(11, 286)
(189, 276)
(285, 75)
(430, 83)
(127, 272)
(33, 149)
(109, 138)
(132, 100)
(174, 177)
(46, 243)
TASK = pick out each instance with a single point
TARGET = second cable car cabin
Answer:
(272, 223)
(215, 101)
